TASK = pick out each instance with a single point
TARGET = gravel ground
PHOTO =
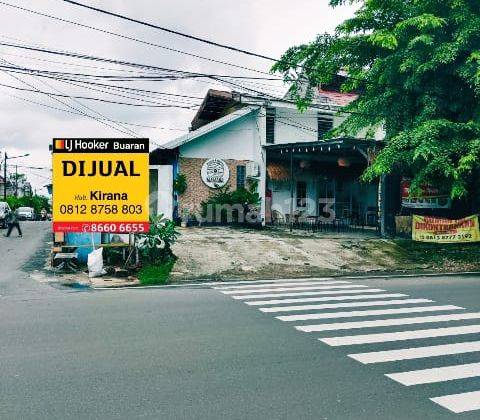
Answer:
(219, 252)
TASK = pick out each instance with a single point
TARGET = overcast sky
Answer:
(267, 27)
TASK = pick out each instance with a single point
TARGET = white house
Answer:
(299, 175)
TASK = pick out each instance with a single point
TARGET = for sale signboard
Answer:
(100, 185)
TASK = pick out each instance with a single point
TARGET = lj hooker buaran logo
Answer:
(100, 185)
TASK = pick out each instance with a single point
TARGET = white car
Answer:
(26, 213)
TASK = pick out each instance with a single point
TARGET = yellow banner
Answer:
(434, 229)
(100, 185)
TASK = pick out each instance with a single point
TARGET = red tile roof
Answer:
(341, 99)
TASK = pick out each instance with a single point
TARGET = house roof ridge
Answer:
(208, 128)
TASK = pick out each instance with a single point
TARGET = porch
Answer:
(315, 186)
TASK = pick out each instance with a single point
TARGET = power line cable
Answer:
(35, 167)
(152, 44)
(68, 105)
(93, 99)
(151, 25)
(184, 73)
(77, 113)
(136, 96)
(217, 44)
(81, 104)
(229, 47)
(263, 95)
(64, 63)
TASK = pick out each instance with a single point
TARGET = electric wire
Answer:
(71, 107)
(151, 25)
(152, 44)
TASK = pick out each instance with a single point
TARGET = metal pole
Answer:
(5, 178)
(16, 180)
(291, 188)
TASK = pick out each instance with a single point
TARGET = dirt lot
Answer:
(220, 252)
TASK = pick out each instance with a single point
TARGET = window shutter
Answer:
(325, 124)
(241, 172)
(270, 125)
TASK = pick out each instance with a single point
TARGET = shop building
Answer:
(240, 141)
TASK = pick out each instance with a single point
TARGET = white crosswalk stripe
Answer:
(416, 352)
(460, 403)
(331, 286)
(440, 374)
(310, 293)
(300, 283)
(324, 299)
(280, 281)
(215, 284)
(400, 336)
(343, 305)
(380, 322)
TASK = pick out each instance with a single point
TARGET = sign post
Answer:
(100, 185)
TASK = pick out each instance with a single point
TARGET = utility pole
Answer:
(5, 178)
(16, 174)
(16, 180)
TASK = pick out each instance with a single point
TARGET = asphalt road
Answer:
(203, 353)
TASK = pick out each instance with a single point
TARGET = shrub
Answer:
(156, 274)
(180, 184)
(155, 246)
(229, 204)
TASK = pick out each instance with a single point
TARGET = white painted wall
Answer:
(164, 193)
(239, 140)
(292, 126)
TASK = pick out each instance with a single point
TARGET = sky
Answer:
(267, 27)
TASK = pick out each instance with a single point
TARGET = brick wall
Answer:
(197, 191)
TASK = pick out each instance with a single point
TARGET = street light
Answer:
(5, 172)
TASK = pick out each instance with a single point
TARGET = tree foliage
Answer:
(417, 66)
(37, 202)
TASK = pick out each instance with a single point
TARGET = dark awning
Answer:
(326, 145)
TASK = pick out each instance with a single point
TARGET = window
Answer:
(153, 182)
(325, 124)
(270, 126)
(301, 194)
(241, 170)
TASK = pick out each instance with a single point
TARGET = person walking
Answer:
(12, 220)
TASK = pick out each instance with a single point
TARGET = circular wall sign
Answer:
(215, 173)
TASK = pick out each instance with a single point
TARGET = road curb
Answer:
(208, 282)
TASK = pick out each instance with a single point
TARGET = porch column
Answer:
(262, 187)
(291, 188)
(381, 205)
(389, 203)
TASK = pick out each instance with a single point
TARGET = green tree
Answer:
(37, 202)
(417, 66)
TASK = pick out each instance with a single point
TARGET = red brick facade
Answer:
(197, 191)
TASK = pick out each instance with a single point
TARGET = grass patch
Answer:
(155, 273)
(462, 256)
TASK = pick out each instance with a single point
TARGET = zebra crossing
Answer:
(323, 306)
